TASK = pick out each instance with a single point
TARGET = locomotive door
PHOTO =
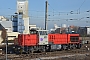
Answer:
(43, 37)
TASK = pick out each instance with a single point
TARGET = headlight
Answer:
(13, 47)
(18, 48)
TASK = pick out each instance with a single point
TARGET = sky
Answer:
(69, 12)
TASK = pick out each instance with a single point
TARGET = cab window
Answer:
(43, 32)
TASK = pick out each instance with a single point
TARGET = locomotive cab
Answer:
(43, 37)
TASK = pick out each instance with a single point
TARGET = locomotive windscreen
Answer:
(74, 38)
(43, 32)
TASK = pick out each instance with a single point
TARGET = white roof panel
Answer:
(6, 24)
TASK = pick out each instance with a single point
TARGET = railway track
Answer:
(83, 50)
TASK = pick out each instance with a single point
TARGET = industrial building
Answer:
(22, 9)
(2, 18)
(8, 27)
(32, 27)
(19, 22)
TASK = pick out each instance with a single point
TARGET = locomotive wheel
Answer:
(44, 49)
(78, 46)
(32, 51)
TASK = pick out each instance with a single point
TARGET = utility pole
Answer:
(46, 15)
(6, 46)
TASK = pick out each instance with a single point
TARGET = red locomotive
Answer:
(40, 40)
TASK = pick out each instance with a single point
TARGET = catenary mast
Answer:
(46, 15)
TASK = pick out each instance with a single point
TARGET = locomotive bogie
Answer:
(56, 47)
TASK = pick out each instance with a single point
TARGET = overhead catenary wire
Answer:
(53, 12)
(38, 11)
(81, 6)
